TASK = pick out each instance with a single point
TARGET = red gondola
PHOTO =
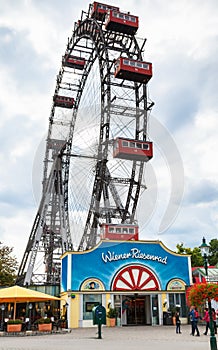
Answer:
(63, 101)
(129, 69)
(133, 149)
(121, 22)
(73, 62)
(121, 232)
(99, 10)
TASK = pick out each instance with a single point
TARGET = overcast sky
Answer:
(182, 44)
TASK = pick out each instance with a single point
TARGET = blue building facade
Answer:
(141, 279)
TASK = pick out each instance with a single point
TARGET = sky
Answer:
(182, 44)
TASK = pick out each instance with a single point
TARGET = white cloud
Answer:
(15, 230)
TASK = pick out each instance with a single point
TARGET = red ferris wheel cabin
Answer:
(121, 22)
(129, 69)
(99, 10)
(63, 101)
(133, 149)
(73, 62)
(121, 232)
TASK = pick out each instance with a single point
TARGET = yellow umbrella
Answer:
(18, 294)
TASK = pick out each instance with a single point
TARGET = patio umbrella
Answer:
(18, 294)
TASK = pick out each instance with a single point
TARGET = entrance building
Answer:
(143, 280)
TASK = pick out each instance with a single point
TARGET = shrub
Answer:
(112, 313)
(14, 321)
(43, 320)
(198, 293)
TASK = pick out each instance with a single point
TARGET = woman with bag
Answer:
(178, 323)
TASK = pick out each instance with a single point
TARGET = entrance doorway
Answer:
(136, 310)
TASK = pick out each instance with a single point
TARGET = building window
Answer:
(125, 143)
(178, 299)
(89, 301)
(145, 146)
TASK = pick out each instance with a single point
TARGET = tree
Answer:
(182, 250)
(196, 258)
(8, 266)
(213, 257)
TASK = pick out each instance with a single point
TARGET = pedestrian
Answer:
(196, 318)
(214, 320)
(191, 318)
(178, 323)
(206, 318)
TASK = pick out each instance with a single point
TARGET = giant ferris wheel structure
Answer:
(97, 144)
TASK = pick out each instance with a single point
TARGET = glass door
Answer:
(154, 309)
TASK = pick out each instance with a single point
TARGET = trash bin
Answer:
(167, 318)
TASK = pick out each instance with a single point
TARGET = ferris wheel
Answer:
(97, 145)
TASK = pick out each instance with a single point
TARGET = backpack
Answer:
(196, 314)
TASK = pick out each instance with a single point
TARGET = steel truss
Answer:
(114, 195)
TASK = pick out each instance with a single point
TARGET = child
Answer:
(178, 323)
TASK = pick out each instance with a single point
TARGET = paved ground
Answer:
(118, 338)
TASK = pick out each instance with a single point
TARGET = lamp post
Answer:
(205, 252)
(3, 310)
(30, 311)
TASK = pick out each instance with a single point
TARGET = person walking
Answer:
(196, 318)
(178, 323)
(214, 320)
(206, 318)
(191, 317)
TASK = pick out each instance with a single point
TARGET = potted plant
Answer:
(14, 325)
(112, 314)
(44, 324)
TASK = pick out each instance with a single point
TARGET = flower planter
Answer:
(14, 327)
(45, 327)
(200, 292)
(112, 322)
(112, 314)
